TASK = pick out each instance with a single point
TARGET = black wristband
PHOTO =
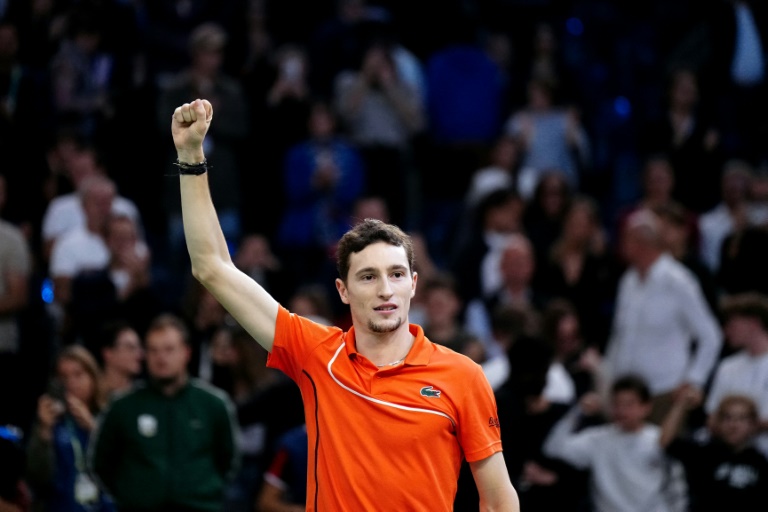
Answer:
(192, 169)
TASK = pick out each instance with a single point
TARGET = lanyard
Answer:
(77, 448)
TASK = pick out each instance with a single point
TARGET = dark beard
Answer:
(378, 328)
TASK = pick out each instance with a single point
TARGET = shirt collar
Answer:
(417, 356)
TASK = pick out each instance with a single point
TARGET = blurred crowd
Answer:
(585, 182)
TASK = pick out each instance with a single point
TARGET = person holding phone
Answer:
(56, 454)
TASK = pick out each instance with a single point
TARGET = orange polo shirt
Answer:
(385, 438)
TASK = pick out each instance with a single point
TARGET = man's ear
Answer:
(413, 285)
(342, 289)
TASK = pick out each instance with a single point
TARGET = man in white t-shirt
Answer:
(660, 313)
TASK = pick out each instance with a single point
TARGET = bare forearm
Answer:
(205, 240)
(671, 424)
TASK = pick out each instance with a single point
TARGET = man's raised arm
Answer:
(212, 265)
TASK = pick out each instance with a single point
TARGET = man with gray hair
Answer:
(663, 330)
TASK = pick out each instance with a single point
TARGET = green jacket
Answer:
(156, 452)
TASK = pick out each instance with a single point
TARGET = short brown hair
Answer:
(169, 321)
(634, 384)
(747, 304)
(365, 233)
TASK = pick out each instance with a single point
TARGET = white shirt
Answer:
(560, 387)
(714, 226)
(743, 374)
(65, 212)
(655, 321)
(77, 251)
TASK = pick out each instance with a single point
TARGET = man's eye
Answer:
(398, 274)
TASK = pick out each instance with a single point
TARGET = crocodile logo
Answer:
(430, 392)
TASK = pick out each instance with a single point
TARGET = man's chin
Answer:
(385, 327)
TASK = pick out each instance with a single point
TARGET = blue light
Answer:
(46, 291)
(574, 26)
(622, 106)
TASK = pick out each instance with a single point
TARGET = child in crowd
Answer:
(725, 471)
(629, 469)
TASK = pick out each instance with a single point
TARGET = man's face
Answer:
(379, 288)
(167, 354)
(127, 354)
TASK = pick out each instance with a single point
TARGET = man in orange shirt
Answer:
(390, 415)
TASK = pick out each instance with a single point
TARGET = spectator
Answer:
(336, 43)
(324, 176)
(427, 269)
(82, 76)
(381, 114)
(66, 418)
(687, 134)
(553, 138)
(65, 211)
(83, 248)
(570, 376)
(15, 271)
(255, 256)
(545, 483)
(658, 185)
(493, 222)
(744, 370)
(677, 235)
(660, 311)
(313, 301)
(281, 122)
(730, 214)
(513, 270)
(173, 422)
(122, 356)
(582, 269)
(545, 212)
(742, 256)
(628, 467)
(124, 288)
(444, 319)
(205, 318)
(726, 471)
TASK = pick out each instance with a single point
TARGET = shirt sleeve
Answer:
(706, 331)
(478, 428)
(295, 338)
(574, 448)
